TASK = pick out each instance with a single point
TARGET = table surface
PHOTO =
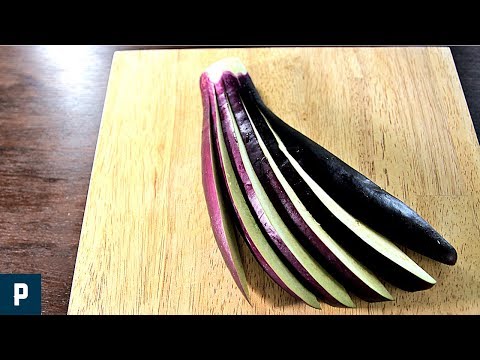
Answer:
(51, 100)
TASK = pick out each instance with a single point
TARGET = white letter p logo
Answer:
(20, 292)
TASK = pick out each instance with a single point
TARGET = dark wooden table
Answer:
(51, 100)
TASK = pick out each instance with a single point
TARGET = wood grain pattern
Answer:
(396, 114)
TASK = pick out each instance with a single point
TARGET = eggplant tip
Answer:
(389, 297)
(349, 305)
(451, 258)
(315, 305)
(247, 297)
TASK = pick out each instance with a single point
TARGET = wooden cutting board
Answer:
(398, 115)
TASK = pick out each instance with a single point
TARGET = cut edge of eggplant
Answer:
(253, 234)
(222, 224)
(363, 274)
(377, 241)
(318, 273)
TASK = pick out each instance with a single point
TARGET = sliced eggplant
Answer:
(349, 271)
(355, 193)
(376, 252)
(217, 204)
(312, 222)
(304, 266)
(256, 241)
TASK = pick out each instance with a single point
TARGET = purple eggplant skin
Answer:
(357, 194)
(218, 207)
(281, 201)
(247, 189)
(364, 253)
(208, 94)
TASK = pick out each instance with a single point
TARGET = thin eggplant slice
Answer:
(217, 204)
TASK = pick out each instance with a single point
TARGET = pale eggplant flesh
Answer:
(357, 194)
(218, 205)
(352, 274)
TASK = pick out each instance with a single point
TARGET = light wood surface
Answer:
(398, 115)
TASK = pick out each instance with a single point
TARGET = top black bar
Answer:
(245, 28)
